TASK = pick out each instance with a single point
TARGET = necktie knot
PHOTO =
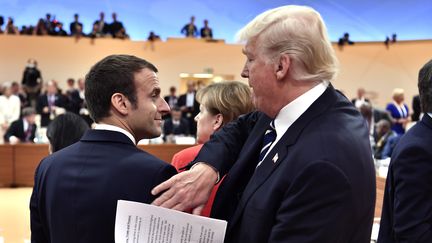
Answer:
(269, 138)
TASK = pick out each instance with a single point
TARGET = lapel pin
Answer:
(275, 158)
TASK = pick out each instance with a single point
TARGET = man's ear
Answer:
(218, 123)
(283, 65)
(120, 103)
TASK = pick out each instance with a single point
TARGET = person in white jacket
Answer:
(10, 107)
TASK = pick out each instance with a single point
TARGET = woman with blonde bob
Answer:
(399, 111)
(220, 104)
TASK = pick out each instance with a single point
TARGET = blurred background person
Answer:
(10, 28)
(10, 108)
(116, 28)
(386, 140)
(417, 111)
(32, 81)
(1, 24)
(220, 104)
(190, 29)
(72, 96)
(59, 30)
(206, 31)
(189, 106)
(76, 27)
(175, 125)
(40, 28)
(399, 111)
(361, 98)
(50, 104)
(171, 100)
(17, 90)
(64, 130)
(83, 112)
(100, 26)
(22, 130)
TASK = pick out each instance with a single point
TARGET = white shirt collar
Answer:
(430, 114)
(292, 111)
(100, 126)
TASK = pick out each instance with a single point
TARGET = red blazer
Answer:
(181, 159)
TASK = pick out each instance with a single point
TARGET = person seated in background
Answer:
(176, 125)
(153, 37)
(206, 31)
(190, 29)
(50, 104)
(10, 107)
(65, 130)
(220, 104)
(372, 117)
(399, 111)
(1, 24)
(59, 30)
(22, 130)
(386, 140)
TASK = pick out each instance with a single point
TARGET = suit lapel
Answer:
(277, 155)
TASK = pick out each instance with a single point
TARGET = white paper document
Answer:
(143, 223)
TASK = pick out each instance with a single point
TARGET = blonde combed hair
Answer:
(229, 98)
(300, 32)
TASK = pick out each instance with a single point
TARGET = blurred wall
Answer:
(369, 65)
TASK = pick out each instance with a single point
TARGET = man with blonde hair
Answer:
(300, 168)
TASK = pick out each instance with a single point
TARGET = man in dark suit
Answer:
(76, 189)
(171, 99)
(189, 106)
(22, 130)
(75, 27)
(300, 168)
(116, 26)
(176, 125)
(360, 99)
(50, 104)
(406, 214)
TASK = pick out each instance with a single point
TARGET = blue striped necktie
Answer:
(269, 137)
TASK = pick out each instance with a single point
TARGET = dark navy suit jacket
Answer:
(316, 185)
(407, 208)
(76, 189)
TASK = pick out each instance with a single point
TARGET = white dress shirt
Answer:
(116, 129)
(292, 111)
(190, 97)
